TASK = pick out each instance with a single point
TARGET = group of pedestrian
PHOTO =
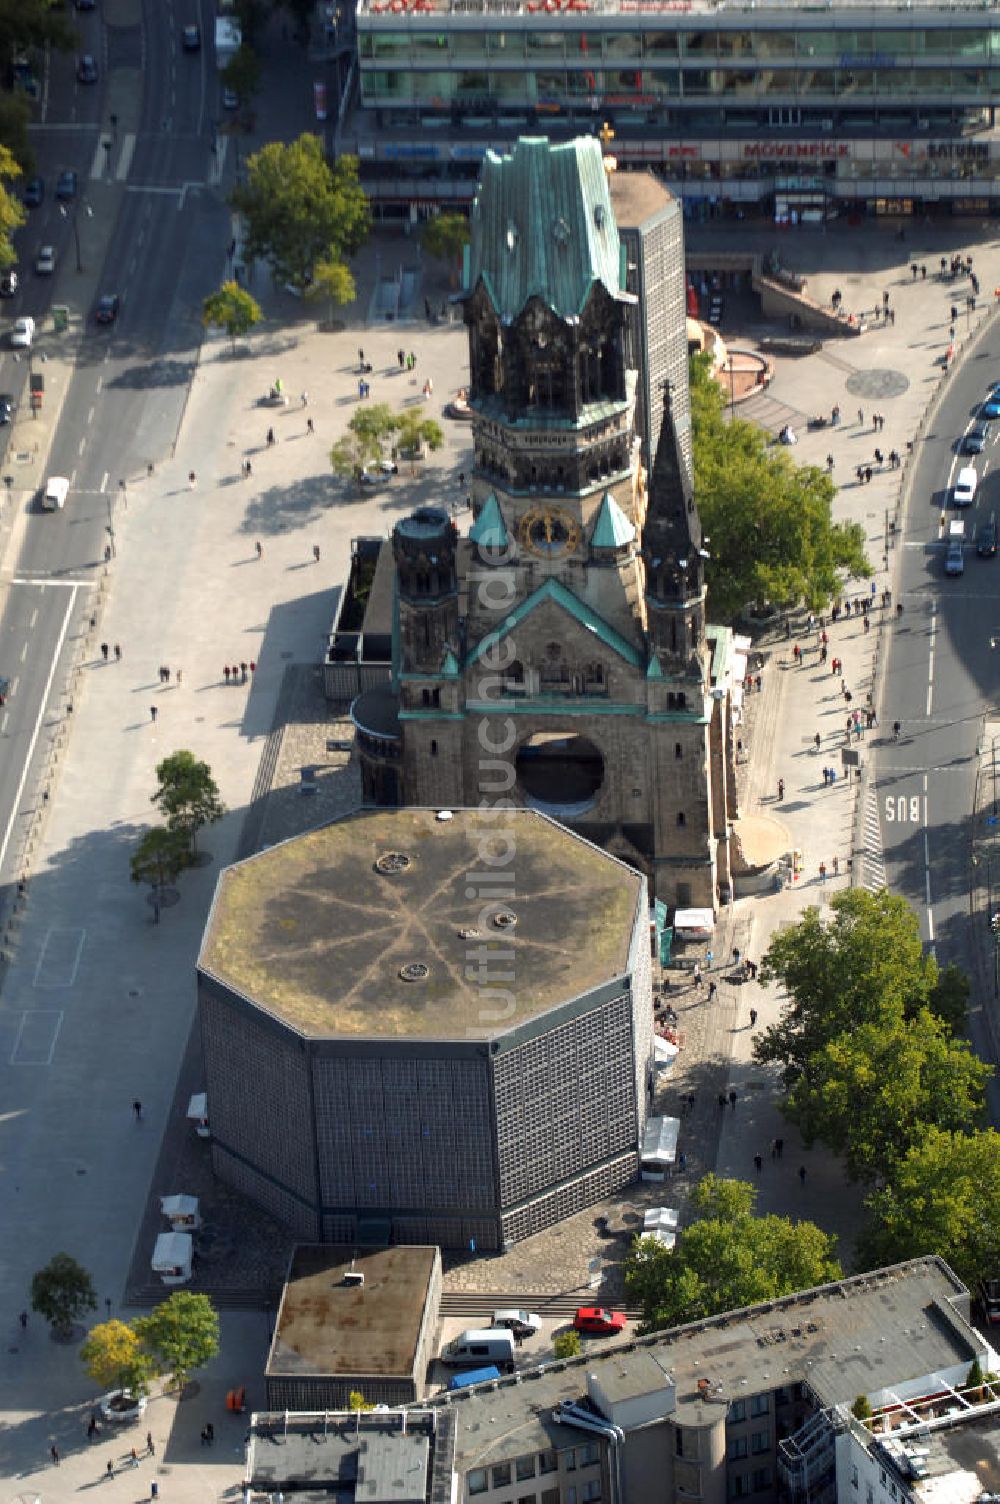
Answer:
(829, 776)
(238, 673)
(364, 389)
(750, 681)
(106, 652)
(165, 674)
(917, 269)
(207, 1434)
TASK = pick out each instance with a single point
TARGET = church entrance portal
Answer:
(559, 773)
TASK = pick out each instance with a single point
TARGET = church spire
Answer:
(674, 558)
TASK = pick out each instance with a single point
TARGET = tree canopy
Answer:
(115, 1358)
(182, 1334)
(188, 794)
(768, 522)
(242, 73)
(364, 443)
(943, 1198)
(231, 308)
(869, 1065)
(160, 857)
(62, 1292)
(11, 211)
(726, 1259)
(416, 431)
(299, 210)
(333, 281)
(445, 236)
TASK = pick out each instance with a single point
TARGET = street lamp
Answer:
(732, 390)
(76, 228)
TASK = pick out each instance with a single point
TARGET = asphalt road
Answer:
(126, 397)
(941, 673)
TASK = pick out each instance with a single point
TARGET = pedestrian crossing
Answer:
(112, 160)
(871, 855)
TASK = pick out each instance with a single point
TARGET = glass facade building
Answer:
(737, 104)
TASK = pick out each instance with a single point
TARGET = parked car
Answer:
(964, 490)
(6, 407)
(34, 192)
(986, 538)
(45, 261)
(66, 184)
(595, 1321)
(991, 407)
(954, 559)
(521, 1323)
(191, 38)
(107, 308)
(975, 440)
(23, 333)
(8, 284)
(86, 68)
(230, 99)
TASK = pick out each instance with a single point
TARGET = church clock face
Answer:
(549, 532)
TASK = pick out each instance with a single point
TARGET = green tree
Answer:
(332, 280)
(62, 1292)
(949, 998)
(182, 1334)
(727, 1258)
(188, 795)
(364, 442)
(32, 26)
(942, 1198)
(767, 521)
(242, 74)
(11, 211)
(115, 1358)
(357, 1401)
(160, 858)
(299, 210)
(231, 308)
(861, 1409)
(567, 1345)
(416, 432)
(445, 236)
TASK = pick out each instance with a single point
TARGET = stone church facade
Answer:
(558, 656)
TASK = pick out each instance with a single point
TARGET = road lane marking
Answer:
(34, 618)
(90, 415)
(125, 160)
(97, 166)
(24, 651)
(42, 712)
(930, 658)
(104, 480)
(82, 445)
(59, 960)
(37, 1034)
(46, 580)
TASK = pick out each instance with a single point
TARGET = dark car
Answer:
(107, 309)
(975, 439)
(66, 184)
(986, 539)
(6, 407)
(86, 4)
(86, 69)
(191, 38)
(34, 192)
(991, 407)
(8, 284)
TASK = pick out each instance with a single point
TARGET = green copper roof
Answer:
(489, 530)
(542, 225)
(612, 528)
(552, 590)
(654, 671)
(449, 665)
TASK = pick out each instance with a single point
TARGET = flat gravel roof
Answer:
(324, 929)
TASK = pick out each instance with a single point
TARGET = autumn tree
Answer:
(726, 1259)
(767, 521)
(115, 1358)
(231, 308)
(334, 281)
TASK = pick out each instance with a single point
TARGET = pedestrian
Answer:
(861, 417)
(753, 1018)
(23, 1319)
(150, 1449)
(249, 469)
(836, 866)
(316, 553)
(152, 712)
(712, 990)
(781, 788)
(118, 652)
(133, 1457)
(92, 1427)
(696, 975)
(829, 463)
(736, 955)
(137, 1109)
(105, 650)
(401, 357)
(191, 479)
(310, 426)
(822, 872)
(774, 1148)
(413, 360)
(305, 399)
(753, 969)
(260, 549)
(149, 467)
(361, 357)
(826, 776)
(709, 958)
(868, 475)
(796, 653)
(923, 272)
(226, 672)
(180, 675)
(270, 437)
(166, 674)
(758, 1162)
(54, 1453)
(802, 1174)
(822, 654)
(817, 741)
(868, 625)
(253, 668)
(732, 1099)
(758, 682)
(210, 1432)
(204, 1437)
(111, 1468)
(243, 673)
(779, 1145)
(722, 1100)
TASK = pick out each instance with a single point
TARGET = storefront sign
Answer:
(786, 151)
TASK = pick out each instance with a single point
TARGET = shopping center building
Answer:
(783, 110)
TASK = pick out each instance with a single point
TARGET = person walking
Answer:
(271, 440)
(822, 872)
(779, 1145)
(191, 479)
(732, 1099)
(316, 553)
(105, 650)
(118, 652)
(260, 549)
(802, 1174)
(753, 1018)
(712, 990)
(226, 672)
(722, 1100)
(23, 1319)
(310, 426)
(305, 399)
(110, 1470)
(137, 1109)
(817, 741)
(781, 788)
(150, 1449)
(133, 1457)
(153, 712)
(54, 1453)
(696, 975)
(758, 1162)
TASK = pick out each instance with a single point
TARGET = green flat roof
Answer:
(315, 934)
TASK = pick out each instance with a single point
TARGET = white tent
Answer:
(198, 1113)
(181, 1212)
(659, 1147)
(660, 1222)
(172, 1257)
(664, 1052)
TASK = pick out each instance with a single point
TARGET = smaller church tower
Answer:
(424, 548)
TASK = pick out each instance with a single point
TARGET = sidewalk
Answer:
(112, 994)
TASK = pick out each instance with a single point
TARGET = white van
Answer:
(474, 1349)
(55, 493)
(964, 493)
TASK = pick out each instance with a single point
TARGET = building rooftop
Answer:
(856, 1336)
(380, 1457)
(956, 1465)
(637, 197)
(382, 924)
(330, 1328)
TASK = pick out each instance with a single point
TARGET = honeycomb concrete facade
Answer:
(406, 1042)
